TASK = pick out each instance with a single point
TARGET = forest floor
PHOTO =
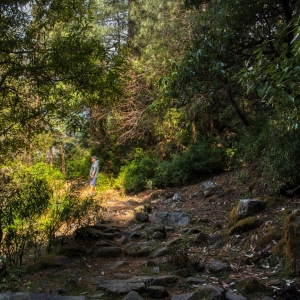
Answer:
(251, 255)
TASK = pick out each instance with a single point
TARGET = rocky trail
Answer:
(179, 244)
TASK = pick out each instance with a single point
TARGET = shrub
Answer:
(281, 159)
(137, 173)
(34, 204)
(199, 159)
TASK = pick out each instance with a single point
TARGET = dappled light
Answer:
(149, 149)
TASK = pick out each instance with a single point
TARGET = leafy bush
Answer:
(136, 174)
(23, 201)
(251, 141)
(197, 160)
(35, 207)
(281, 159)
(78, 162)
(68, 210)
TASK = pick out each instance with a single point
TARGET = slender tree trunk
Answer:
(235, 106)
(63, 160)
(194, 131)
(29, 155)
(51, 156)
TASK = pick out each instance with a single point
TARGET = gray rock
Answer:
(117, 264)
(211, 291)
(187, 296)
(122, 287)
(28, 296)
(208, 192)
(214, 238)
(157, 292)
(106, 229)
(159, 235)
(220, 193)
(89, 233)
(140, 248)
(249, 207)
(183, 272)
(61, 261)
(160, 252)
(217, 266)
(142, 217)
(195, 280)
(207, 185)
(177, 198)
(233, 296)
(162, 280)
(169, 218)
(133, 296)
(109, 252)
(197, 265)
(204, 292)
(168, 201)
(201, 239)
(124, 239)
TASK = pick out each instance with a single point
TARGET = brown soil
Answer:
(251, 254)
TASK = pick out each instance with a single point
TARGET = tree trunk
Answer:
(51, 156)
(63, 160)
(235, 106)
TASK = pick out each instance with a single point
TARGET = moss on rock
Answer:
(292, 243)
(245, 225)
(233, 217)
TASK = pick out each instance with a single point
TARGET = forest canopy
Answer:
(161, 91)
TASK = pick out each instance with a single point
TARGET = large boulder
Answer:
(217, 266)
(140, 248)
(250, 207)
(133, 296)
(157, 292)
(122, 287)
(169, 218)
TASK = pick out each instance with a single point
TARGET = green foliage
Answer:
(199, 159)
(136, 174)
(282, 158)
(43, 170)
(35, 208)
(68, 210)
(23, 201)
(78, 161)
(249, 143)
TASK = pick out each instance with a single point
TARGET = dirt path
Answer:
(105, 266)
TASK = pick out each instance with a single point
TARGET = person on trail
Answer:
(94, 174)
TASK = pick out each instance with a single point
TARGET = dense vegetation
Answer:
(161, 91)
